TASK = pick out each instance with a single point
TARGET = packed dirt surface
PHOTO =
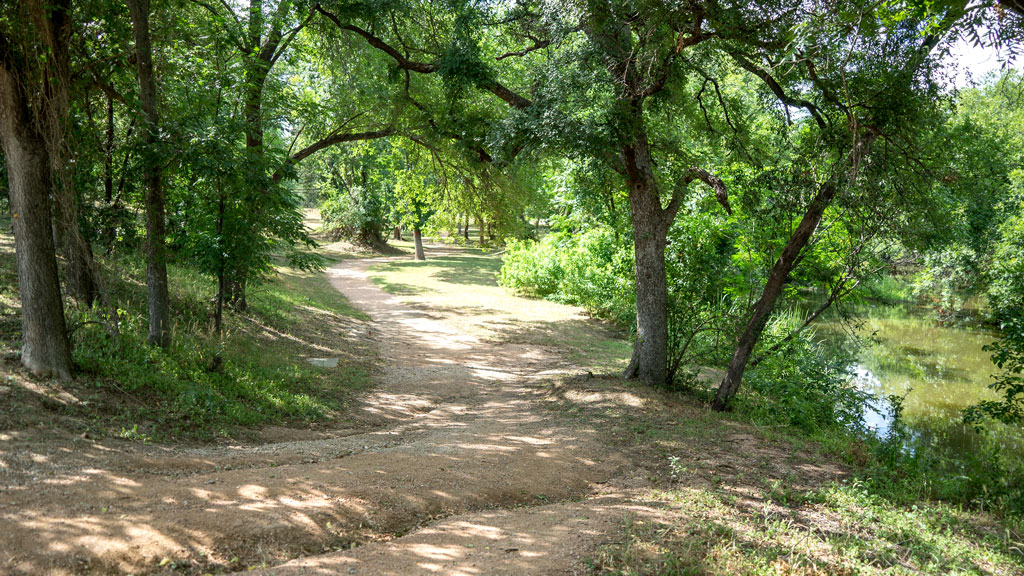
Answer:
(457, 464)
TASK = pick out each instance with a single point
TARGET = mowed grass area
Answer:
(719, 495)
(124, 387)
(462, 284)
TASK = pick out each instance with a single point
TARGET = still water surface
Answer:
(940, 370)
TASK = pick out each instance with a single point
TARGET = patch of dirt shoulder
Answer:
(679, 439)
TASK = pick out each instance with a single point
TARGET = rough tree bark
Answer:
(46, 350)
(651, 222)
(417, 238)
(156, 227)
(650, 228)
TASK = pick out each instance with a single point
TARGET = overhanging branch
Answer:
(777, 89)
(329, 141)
(509, 96)
(714, 182)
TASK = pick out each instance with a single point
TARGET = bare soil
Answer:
(463, 460)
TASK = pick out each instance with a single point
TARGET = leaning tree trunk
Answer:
(417, 238)
(156, 228)
(45, 350)
(770, 295)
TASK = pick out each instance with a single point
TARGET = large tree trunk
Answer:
(770, 295)
(417, 238)
(45, 350)
(650, 227)
(156, 228)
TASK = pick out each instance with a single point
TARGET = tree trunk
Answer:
(254, 145)
(480, 223)
(770, 295)
(650, 227)
(46, 350)
(81, 282)
(218, 313)
(417, 238)
(398, 233)
(108, 155)
(465, 228)
(261, 61)
(108, 234)
(156, 228)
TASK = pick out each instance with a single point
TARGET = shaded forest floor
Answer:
(494, 440)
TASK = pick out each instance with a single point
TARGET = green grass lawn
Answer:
(465, 279)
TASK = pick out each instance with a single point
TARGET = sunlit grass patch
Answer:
(462, 283)
(730, 497)
(838, 529)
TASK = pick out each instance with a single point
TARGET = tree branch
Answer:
(777, 89)
(537, 45)
(716, 184)
(402, 61)
(328, 141)
(497, 88)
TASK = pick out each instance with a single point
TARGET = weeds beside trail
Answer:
(125, 387)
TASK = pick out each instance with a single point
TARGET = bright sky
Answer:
(974, 63)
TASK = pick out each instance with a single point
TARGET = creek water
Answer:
(938, 370)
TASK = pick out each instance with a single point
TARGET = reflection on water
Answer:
(939, 370)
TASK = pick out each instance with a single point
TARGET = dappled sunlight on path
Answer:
(457, 428)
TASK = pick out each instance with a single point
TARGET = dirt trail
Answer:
(479, 477)
(479, 412)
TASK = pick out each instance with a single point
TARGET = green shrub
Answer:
(531, 268)
(949, 279)
(806, 385)
(591, 269)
